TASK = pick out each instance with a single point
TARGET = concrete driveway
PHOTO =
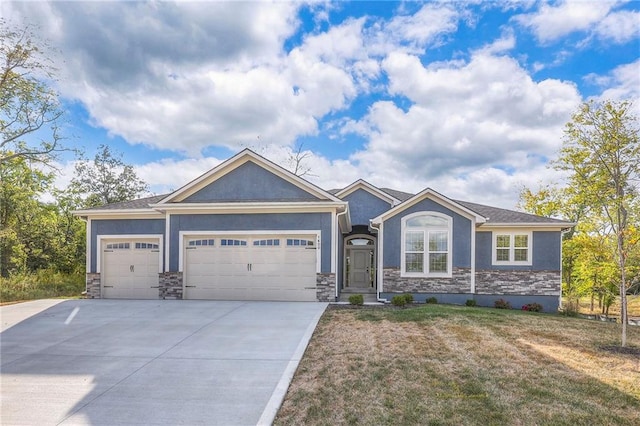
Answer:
(110, 362)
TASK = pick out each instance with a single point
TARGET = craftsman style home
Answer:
(250, 230)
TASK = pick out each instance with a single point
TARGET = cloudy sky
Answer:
(468, 98)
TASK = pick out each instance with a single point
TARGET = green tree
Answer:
(30, 112)
(106, 179)
(23, 218)
(601, 152)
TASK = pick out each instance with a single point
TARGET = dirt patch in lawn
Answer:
(439, 364)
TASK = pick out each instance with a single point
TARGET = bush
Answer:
(532, 307)
(501, 304)
(43, 284)
(356, 299)
(408, 297)
(432, 300)
(470, 302)
(570, 308)
(398, 300)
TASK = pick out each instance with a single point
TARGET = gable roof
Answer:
(366, 186)
(430, 194)
(233, 163)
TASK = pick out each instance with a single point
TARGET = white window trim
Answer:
(512, 234)
(425, 233)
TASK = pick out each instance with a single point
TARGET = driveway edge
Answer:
(272, 407)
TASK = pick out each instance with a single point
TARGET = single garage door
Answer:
(261, 267)
(130, 269)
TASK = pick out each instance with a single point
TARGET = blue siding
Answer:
(250, 182)
(122, 227)
(364, 206)
(461, 248)
(546, 252)
(253, 222)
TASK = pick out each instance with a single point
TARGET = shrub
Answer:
(470, 302)
(408, 297)
(501, 304)
(356, 299)
(432, 300)
(398, 300)
(532, 307)
(570, 308)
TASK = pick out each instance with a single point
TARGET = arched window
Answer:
(426, 244)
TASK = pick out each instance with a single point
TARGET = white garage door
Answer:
(130, 269)
(261, 267)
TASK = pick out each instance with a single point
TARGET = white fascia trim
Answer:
(235, 162)
(261, 207)
(366, 186)
(120, 213)
(101, 238)
(538, 226)
(434, 196)
(184, 234)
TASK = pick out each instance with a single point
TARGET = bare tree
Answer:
(297, 161)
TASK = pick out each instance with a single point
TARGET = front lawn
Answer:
(438, 364)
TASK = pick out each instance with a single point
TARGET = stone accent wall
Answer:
(170, 285)
(93, 286)
(460, 282)
(538, 283)
(326, 287)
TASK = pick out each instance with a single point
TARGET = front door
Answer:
(360, 270)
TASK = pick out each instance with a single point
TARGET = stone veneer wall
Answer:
(170, 285)
(460, 282)
(326, 287)
(537, 283)
(93, 286)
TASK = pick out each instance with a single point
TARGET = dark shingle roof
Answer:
(498, 215)
(494, 215)
(141, 203)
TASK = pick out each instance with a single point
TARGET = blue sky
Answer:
(468, 98)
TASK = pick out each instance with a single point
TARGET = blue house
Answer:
(250, 230)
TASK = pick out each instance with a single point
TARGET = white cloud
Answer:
(619, 27)
(552, 22)
(484, 115)
(623, 83)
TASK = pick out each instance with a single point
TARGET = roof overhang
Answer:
(366, 186)
(530, 225)
(251, 207)
(430, 194)
(237, 161)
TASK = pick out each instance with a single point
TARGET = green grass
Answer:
(449, 365)
(41, 285)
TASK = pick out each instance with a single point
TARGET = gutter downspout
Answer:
(562, 232)
(378, 262)
(338, 235)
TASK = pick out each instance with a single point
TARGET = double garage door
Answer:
(255, 267)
